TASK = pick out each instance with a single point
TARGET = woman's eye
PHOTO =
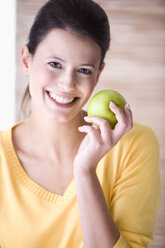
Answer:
(85, 71)
(55, 65)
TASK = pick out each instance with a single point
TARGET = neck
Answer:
(55, 139)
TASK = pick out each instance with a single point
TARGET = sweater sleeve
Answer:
(135, 199)
(121, 243)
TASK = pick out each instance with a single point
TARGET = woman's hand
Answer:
(100, 138)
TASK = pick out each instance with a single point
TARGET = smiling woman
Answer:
(63, 181)
(67, 74)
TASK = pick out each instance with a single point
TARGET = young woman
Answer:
(64, 182)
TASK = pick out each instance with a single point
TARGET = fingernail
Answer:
(86, 118)
(112, 104)
(127, 106)
(80, 129)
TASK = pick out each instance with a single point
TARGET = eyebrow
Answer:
(55, 57)
(89, 65)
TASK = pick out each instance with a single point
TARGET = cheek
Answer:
(41, 77)
(88, 86)
(93, 81)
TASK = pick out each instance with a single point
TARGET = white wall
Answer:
(7, 63)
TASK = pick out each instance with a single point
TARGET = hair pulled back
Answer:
(82, 16)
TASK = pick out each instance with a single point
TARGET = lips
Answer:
(62, 100)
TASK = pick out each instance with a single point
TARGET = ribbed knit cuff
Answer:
(121, 243)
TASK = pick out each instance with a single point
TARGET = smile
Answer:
(60, 99)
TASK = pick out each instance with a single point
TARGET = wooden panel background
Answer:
(134, 67)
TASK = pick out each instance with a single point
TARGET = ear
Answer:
(26, 59)
(100, 70)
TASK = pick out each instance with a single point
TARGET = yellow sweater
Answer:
(32, 217)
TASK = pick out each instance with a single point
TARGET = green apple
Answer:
(99, 105)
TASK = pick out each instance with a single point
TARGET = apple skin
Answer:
(99, 105)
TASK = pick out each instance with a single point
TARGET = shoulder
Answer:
(141, 136)
(4, 147)
(3, 136)
(139, 147)
(4, 140)
(139, 150)
(143, 130)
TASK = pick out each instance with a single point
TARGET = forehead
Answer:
(69, 44)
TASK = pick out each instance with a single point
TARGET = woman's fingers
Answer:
(90, 130)
(121, 118)
(102, 125)
(128, 114)
(101, 128)
(124, 119)
(93, 139)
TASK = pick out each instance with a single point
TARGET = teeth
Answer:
(60, 99)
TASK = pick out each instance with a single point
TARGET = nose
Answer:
(67, 80)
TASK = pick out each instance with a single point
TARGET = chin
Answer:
(62, 118)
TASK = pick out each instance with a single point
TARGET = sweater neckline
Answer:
(23, 177)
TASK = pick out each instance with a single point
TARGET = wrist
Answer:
(80, 172)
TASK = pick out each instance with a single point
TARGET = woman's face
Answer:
(62, 74)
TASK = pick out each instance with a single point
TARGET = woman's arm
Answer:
(98, 228)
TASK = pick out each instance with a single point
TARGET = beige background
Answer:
(134, 67)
